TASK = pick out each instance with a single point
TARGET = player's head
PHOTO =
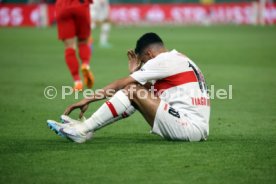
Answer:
(148, 46)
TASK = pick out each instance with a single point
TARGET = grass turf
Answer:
(241, 147)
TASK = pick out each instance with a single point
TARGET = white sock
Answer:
(105, 28)
(116, 108)
(130, 110)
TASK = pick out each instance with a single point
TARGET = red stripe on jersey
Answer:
(175, 80)
(112, 109)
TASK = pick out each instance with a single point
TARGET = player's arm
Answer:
(107, 91)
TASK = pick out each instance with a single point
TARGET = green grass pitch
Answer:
(242, 144)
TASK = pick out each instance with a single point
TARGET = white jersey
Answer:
(99, 10)
(180, 83)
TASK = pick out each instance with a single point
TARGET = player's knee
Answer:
(134, 91)
(130, 87)
(83, 40)
(69, 43)
(131, 90)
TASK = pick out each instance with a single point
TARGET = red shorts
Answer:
(73, 22)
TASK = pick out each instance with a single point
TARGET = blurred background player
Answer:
(100, 17)
(73, 23)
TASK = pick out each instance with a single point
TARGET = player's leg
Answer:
(144, 101)
(120, 103)
(112, 110)
(66, 33)
(104, 34)
(83, 33)
(72, 62)
(84, 50)
(85, 55)
(68, 122)
(116, 106)
(105, 26)
(110, 119)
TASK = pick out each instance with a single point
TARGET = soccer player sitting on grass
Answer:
(179, 109)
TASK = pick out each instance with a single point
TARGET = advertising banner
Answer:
(150, 14)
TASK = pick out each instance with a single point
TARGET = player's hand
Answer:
(133, 62)
(82, 105)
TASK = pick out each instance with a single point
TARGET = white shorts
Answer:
(173, 125)
(99, 14)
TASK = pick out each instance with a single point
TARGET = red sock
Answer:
(84, 53)
(72, 63)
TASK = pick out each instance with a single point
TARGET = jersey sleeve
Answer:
(154, 69)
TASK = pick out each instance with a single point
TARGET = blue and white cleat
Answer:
(73, 127)
(67, 120)
(56, 127)
(76, 133)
